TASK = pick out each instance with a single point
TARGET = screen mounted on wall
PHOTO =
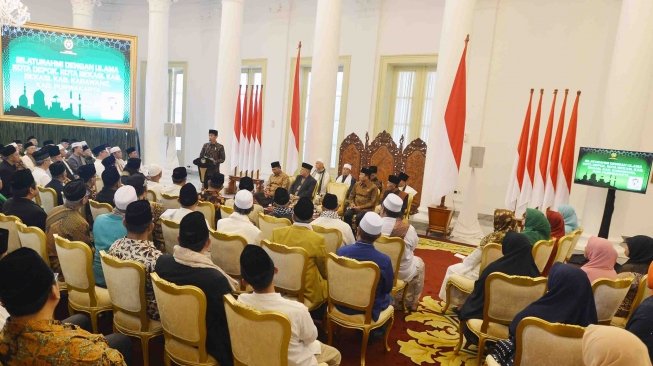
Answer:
(68, 76)
(617, 169)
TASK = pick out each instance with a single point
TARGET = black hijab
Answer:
(569, 299)
(517, 260)
(640, 249)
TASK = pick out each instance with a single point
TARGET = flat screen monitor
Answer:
(617, 169)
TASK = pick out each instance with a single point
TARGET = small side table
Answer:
(440, 220)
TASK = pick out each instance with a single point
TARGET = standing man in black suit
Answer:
(214, 152)
(304, 184)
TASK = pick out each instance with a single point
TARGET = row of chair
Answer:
(459, 287)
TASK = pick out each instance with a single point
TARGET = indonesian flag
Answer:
(531, 158)
(243, 134)
(253, 132)
(235, 146)
(292, 157)
(259, 130)
(567, 159)
(541, 174)
(450, 135)
(554, 165)
(250, 130)
(519, 165)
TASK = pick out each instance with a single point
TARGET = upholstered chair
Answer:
(268, 223)
(608, 295)
(169, 201)
(394, 248)
(98, 208)
(332, 237)
(170, 231)
(48, 198)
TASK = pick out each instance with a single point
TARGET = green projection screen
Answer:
(617, 169)
(68, 76)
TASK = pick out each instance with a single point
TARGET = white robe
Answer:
(469, 268)
(346, 181)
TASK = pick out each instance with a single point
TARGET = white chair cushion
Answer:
(133, 323)
(186, 352)
(360, 318)
(462, 282)
(494, 330)
(82, 299)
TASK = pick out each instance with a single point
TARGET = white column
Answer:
(456, 25)
(156, 82)
(324, 74)
(627, 94)
(228, 78)
(83, 13)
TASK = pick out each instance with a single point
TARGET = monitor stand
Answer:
(604, 231)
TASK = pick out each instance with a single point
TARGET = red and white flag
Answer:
(519, 165)
(451, 133)
(243, 134)
(253, 132)
(235, 146)
(259, 130)
(292, 156)
(531, 159)
(554, 165)
(567, 158)
(541, 174)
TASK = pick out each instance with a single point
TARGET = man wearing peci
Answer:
(214, 152)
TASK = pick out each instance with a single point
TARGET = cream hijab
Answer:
(605, 345)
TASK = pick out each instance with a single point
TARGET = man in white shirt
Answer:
(345, 175)
(322, 177)
(257, 269)
(411, 268)
(100, 153)
(41, 171)
(329, 218)
(187, 199)
(238, 223)
(154, 173)
(28, 158)
(179, 175)
(117, 153)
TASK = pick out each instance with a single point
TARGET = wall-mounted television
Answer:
(617, 169)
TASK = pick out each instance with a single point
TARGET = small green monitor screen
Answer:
(67, 76)
(616, 169)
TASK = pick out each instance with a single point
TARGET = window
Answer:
(405, 97)
(176, 90)
(340, 105)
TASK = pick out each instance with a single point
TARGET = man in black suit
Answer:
(58, 173)
(304, 184)
(21, 205)
(10, 159)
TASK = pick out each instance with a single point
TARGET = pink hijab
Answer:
(602, 256)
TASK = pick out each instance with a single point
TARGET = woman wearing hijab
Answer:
(536, 227)
(517, 260)
(601, 256)
(557, 224)
(504, 221)
(569, 300)
(605, 345)
(569, 215)
(641, 323)
(639, 250)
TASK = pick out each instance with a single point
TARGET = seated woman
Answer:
(504, 221)
(557, 224)
(639, 250)
(536, 226)
(517, 260)
(605, 345)
(569, 300)
(641, 323)
(601, 256)
(569, 215)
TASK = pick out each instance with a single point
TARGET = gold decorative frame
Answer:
(324, 231)
(284, 249)
(42, 246)
(557, 329)
(133, 59)
(223, 237)
(616, 284)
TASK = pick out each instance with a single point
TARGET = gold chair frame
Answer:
(336, 189)
(150, 195)
(215, 251)
(557, 329)
(161, 285)
(483, 336)
(642, 293)
(226, 211)
(397, 284)
(271, 220)
(325, 231)
(485, 261)
(143, 334)
(52, 193)
(565, 248)
(249, 313)
(41, 247)
(97, 206)
(284, 249)
(93, 309)
(538, 247)
(9, 222)
(619, 283)
(367, 325)
(169, 201)
(169, 224)
(207, 208)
